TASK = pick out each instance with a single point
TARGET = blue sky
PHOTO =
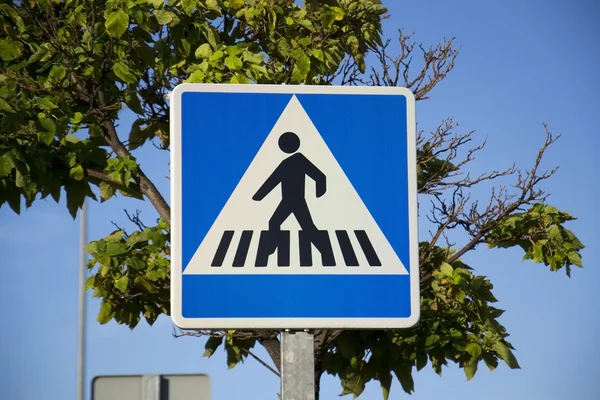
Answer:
(522, 63)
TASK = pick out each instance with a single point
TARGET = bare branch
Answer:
(503, 203)
(439, 162)
(136, 219)
(264, 364)
(268, 337)
(437, 62)
(452, 212)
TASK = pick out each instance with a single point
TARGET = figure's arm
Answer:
(316, 174)
(270, 184)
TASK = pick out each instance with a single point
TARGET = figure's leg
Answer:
(303, 217)
(309, 234)
(281, 213)
(275, 239)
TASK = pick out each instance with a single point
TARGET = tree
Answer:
(69, 68)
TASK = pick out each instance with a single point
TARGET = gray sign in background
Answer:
(151, 387)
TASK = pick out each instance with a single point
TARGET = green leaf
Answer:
(327, 19)
(490, 361)
(14, 201)
(45, 102)
(507, 355)
(121, 283)
(6, 164)
(432, 340)
(353, 383)
(9, 50)
(211, 345)
(39, 53)
(385, 380)
(77, 118)
(4, 106)
(216, 56)
(117, 22)
(404, 374)
(284, 47)
(236, 4)
(48, 125)
(188, 6)
(203, 51)
(421, 360)
(123, 72)
(574, 258)
(133, 102)
(455, 333)
(40, 165)
(12, 13)
(21, 180)
(474, 349)
(213, 5)
(196, 77)
(259, 68)
(106, 191)
(137, 135)
(164, 17)
(234, 356)
(470, 370)
(307, 24)
(210, 35)
(446, 269)
(318, 54)
(105, 314)
(239, 78)
(115, 249)
(338, 13)
(46, 136)
(233, 62)
(57, 73)
(348, 346)
(301, 68)
(252, 58)
(90, 282)
(76, 172)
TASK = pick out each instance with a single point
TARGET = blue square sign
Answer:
(293, 207)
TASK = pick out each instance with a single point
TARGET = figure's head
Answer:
(289, 142)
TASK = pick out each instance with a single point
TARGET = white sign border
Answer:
(288, 323)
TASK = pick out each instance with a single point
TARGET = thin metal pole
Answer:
(81, 322)
(297, 365)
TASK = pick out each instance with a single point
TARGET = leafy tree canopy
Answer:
(69, 67)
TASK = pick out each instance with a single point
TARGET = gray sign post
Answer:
(297, 365)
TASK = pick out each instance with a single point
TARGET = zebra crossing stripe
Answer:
(242, 250)
(347, 250)
(367, 247)
(267, 244)
(222, 249)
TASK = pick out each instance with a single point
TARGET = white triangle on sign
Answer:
(339, 209)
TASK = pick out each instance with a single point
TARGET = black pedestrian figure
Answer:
(291, 174)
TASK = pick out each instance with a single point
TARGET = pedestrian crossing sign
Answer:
(293, 207)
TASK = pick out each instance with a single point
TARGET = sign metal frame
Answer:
(291, 322)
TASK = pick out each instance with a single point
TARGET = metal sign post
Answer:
(287, 201)
(297, 365)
